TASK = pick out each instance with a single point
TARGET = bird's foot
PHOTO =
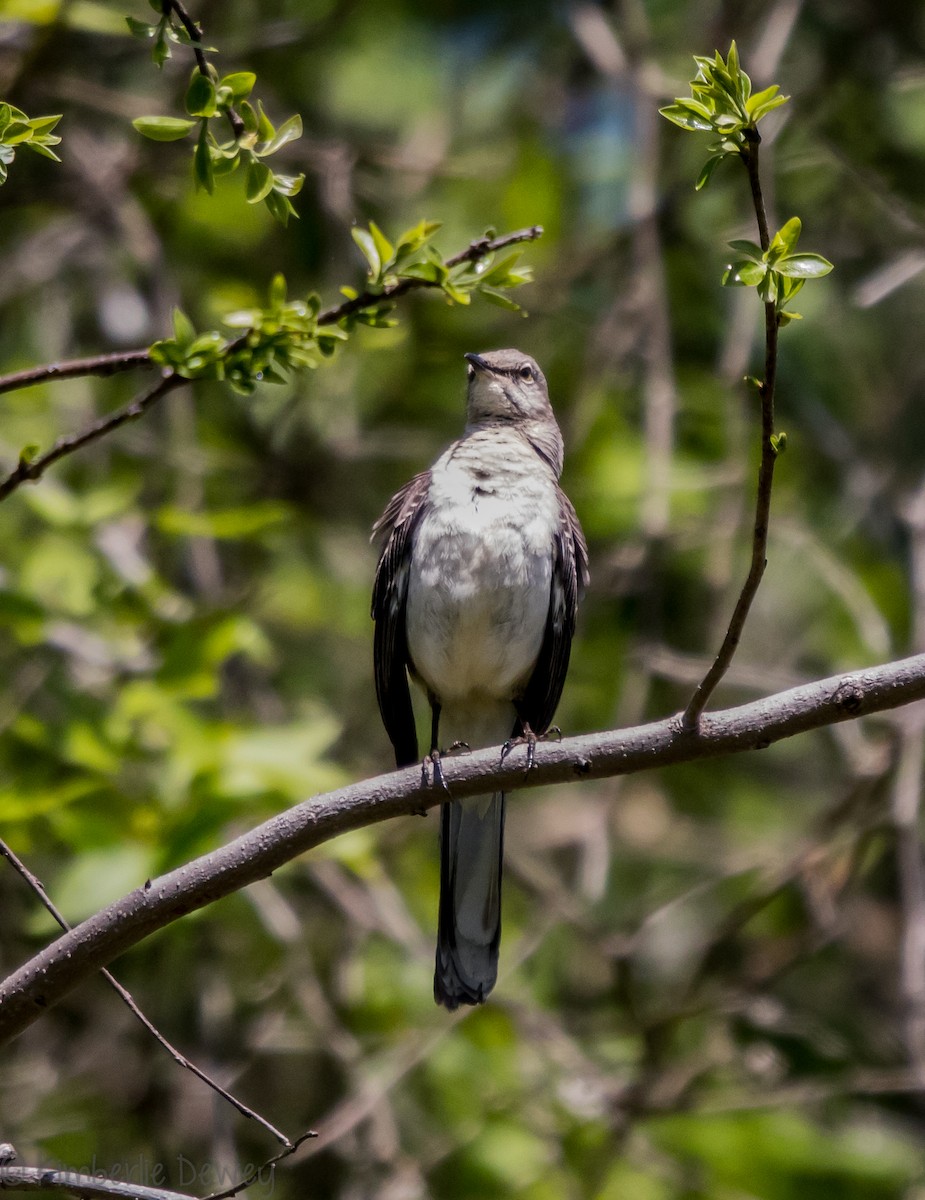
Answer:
(458, 748)
(432, 772)
(529, 739)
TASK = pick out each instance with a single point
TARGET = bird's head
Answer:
(506, 386)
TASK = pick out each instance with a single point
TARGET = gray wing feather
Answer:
(537, 705)
(390, 595)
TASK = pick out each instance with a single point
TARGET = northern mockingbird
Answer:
(476, 592)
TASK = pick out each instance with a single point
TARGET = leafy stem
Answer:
(285, 335)
(722, 102)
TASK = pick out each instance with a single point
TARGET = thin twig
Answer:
(698, 702)
(100, 365)
(77, 955)
(38, 888)
(235, 120)
(29, 470)
(260, 1172)
(475, 251)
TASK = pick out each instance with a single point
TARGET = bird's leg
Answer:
(526, 738)
(432, 760)
(529, 739)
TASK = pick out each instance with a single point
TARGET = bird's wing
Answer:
(569, 579)
(390, 595)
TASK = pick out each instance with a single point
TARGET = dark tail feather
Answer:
(469, 928)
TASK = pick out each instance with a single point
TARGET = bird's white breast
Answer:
(479, 587)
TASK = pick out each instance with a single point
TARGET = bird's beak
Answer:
(477, 361)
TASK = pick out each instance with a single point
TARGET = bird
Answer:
(480, 572)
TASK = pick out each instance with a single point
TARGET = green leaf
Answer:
(280, 207)
(42, 149)
(686, 120)
(744, 273)
(384, 247)
(803, 266)
(785, 240)
(706, 171)
(287, 185)
(241, 83)
(265, 130)
(287, 132)
(183, 330)
(749, 249)
(367, 245)
(200, 96)
(259, 181)
(163, 129)
(140, 29)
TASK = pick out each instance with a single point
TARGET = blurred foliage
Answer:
(702, 991)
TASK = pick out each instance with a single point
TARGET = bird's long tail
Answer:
(469, 928)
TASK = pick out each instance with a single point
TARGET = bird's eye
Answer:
(526, 371)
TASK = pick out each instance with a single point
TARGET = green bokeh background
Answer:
(701, 993)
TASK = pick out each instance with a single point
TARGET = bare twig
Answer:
(100, 364)
(260, 1173)
(50, 975)
(38, 888)
(29, 470)
(709, 683)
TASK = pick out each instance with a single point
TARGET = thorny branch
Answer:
(30, 470)
(50, 975)
(709, 683)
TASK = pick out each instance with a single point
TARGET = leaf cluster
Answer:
(168, 29)
(722, 102)
(414, 258)
(254, 136)
(276, 340)
(289, 335)
(16, 129)
(778, 272)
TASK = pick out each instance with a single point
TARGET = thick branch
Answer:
(51, 1179)
(709, 683)
(49, 976)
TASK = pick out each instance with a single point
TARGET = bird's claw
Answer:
(436, 778)
(529, 739)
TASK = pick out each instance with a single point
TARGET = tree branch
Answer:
(50, 975)
(52, 1179)
(711, 680)
(38, 889)
(100, 364)
(29, 470)
(475, 251)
